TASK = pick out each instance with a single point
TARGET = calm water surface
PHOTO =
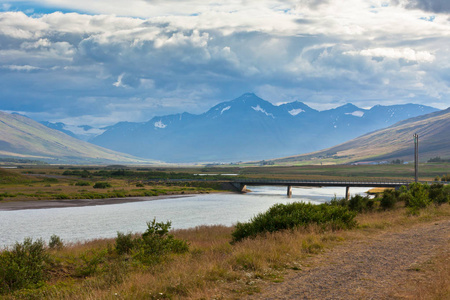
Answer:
(83, 223)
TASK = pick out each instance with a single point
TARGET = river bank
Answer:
(60, 195)
(43, 204)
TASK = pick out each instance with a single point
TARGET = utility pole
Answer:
(416, 156)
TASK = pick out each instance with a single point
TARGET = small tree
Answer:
(388, 200)
(55, 242)
(102, 185)
(23, 266)
(154, 244)
(419, 196)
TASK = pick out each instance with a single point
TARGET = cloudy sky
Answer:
(98, 62)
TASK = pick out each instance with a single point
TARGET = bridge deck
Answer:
(321, 183)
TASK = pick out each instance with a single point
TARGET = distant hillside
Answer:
(22, 137)
(250, 128)
(394, 142)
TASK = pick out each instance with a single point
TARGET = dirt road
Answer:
(371, 268)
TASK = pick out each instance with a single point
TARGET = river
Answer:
(74, 224)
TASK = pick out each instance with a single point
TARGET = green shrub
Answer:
(91, 260)
(289, 216)
(23, 266)
(419, 196)
(85, 174)
(124, 243)
(82, 183)
(51, 180)
(439, 193)
(389, 199)
(154, 244)
(339, 202)
(55, 242)
(139, 184)
(102, 185)
(445, 177)
(356, 203)
(359, 203)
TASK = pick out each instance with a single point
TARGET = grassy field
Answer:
(427, 172)
(212, 268)
(44, 183)
(52, 182)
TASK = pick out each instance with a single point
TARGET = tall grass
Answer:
(293, 215)
(211, 269)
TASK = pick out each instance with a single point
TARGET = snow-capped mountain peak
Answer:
(258, 108)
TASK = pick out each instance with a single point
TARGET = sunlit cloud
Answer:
(137, 59)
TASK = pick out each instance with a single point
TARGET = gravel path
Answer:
(365, 269)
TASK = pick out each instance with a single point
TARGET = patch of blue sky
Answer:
(32, 9)
(429, 19)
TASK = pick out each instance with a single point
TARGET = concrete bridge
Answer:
(241, 184)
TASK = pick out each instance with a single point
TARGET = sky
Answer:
(98, 62)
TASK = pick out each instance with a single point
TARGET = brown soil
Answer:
(42, 204)
(375, 267)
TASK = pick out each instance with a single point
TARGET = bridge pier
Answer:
(289, 191)
(241, 187)
(347, 194)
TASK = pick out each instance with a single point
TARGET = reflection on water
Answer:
(83, 223)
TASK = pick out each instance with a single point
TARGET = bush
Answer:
(23, 266)
(153, 245)
(359, 204)
(139, 184)
(356, 203)
(293, 215)
(339, 202)
(445, 177)
(51, 180)
(82, 183)
(419, 196)
(156, 242)
(439, 193)
(389, 199)
(124, 243)
(55, 242)
(102, 185)
(91, 260)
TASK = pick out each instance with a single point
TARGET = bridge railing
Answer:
(285, 181)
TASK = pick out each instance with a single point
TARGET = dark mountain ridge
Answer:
(21, 137)
(391, 143)
(249, 128)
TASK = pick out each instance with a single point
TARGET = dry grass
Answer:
(215, 269)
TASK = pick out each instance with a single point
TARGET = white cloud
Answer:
(119, 83)
(407, 54)
(190, 55)
(20, 68)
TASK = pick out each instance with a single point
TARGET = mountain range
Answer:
(81, 132)
(249, 128)
(21, 137)
(391, 143)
